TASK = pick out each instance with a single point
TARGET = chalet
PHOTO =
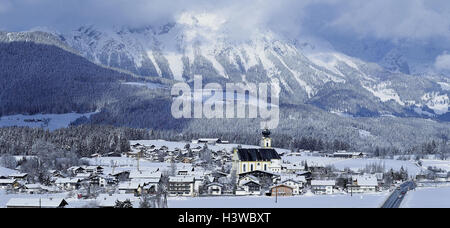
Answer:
(122, 175)
(109, 201)
(106, 180)
(68, 183)
(131, 187)
(441, 177)
(94, 169)
(343, 154)
(8, 183)
(323, 186)
(18, 176)
(292, 168)
(214, 188)
(260, 175)
(181, 185)
(76, 170)
(264, 159)
(363, 183)
(281, 190)
(297, 183)
(145, 174)
(249, 187)
(36, 203)
(306, 174)
(211, 141)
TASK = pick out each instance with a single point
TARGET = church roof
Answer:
(257, 154)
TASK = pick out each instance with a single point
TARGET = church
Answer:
(257, 159)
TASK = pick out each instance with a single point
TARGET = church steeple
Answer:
(266, 141)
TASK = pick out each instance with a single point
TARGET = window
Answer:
(251, 167)
(244, 167)
(265, 167)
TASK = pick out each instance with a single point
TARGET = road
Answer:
(398, 195)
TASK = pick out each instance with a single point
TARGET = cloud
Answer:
(415, 19)
(442, 62)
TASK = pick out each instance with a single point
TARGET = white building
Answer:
(323, 186)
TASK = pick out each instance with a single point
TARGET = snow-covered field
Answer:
(46, 121)
(428, 198)
(445, 165)
(357, 163)
(305, 201)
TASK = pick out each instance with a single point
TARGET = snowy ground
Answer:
(445, 165)
(46, 121)
(305, 201)
(428, 198)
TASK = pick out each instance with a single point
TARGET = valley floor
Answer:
(304, 201)
(429, 197)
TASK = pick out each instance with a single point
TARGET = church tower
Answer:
(266, 141)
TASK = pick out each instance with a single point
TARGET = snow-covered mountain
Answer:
(307, 71)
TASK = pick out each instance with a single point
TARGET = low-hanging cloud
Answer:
(415, 19)
(443, 62)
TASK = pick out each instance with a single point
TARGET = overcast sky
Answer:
(387, 19)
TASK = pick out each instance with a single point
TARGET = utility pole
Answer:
(276, 195)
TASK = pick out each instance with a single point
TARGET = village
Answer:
(154, 171)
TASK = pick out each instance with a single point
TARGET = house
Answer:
(249, 187)
(18, 176)
(261, 176)
(292, 168)
(251, 159)
(323, 186)
(211, 141)
(76, 170)
(68, 183)
(343, 154)
(106, 180)
(363, 183)
(36, 203)
(94, 169)
(145, 174)
(109, 201)
(282, 190)
(122, 175)
(32, 188)
(214, 188)
(441, 177)
(131, 187)
(297, 183)
(181, 185)
(8, 183)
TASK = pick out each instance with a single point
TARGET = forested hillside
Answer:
(40, 78)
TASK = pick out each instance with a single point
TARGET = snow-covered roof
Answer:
(7, 181)
(105, 200)
(18, 175)
(147, 174)
(181, 179)
(130, 185)
(36, 202)
(323, 182)
(366, 180)
(67, 180)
